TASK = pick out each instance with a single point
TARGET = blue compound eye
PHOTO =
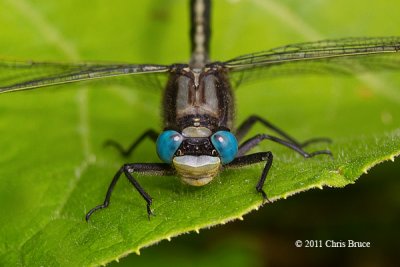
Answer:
(226, 145)
(167, 144)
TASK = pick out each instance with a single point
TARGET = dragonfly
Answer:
(199, 138)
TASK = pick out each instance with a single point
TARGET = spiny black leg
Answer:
(127, 169)
(254, 141)
(245, 127)
(153, 135)
(108, 195)
(146, 197)
(252, 159)
(260, 184)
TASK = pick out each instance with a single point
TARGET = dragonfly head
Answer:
(197, 154)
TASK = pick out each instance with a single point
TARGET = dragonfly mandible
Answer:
(199, 138)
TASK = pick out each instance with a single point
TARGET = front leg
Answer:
(254, 141)
(245, 127)
(153, 135)
(128, 169)
(252, 159)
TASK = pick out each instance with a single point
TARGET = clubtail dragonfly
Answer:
(199, 138)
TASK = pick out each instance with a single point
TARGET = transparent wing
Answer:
(15, 76)
(340, 56)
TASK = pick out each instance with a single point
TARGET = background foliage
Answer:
(54, 168)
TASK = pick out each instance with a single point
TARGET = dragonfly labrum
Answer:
(199, 138)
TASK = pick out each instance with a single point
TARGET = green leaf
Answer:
(54, 167)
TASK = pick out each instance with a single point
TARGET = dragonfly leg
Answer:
(254, 141)
(153, 135)
(252, 159)
(128, 169)
(245, 127)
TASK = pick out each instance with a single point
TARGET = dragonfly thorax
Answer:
(198, 98)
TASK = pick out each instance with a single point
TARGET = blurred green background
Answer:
(156, 32)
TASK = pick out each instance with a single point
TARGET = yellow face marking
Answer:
(197, 170)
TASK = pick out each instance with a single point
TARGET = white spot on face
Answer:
(196, 131)
(176, 138)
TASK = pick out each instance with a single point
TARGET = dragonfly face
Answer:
(198, 111)
(196, 153)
